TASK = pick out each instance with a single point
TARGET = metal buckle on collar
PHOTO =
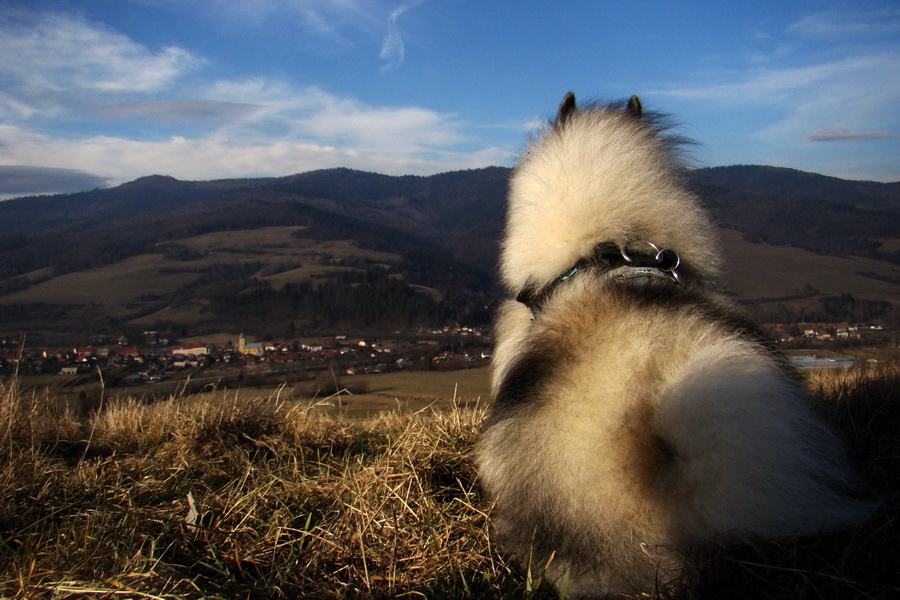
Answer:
(667, 260)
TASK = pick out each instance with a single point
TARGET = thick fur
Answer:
(632, 425)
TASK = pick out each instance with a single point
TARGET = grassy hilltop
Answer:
(205, 497)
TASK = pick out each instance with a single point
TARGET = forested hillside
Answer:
(347, 249)
(791, 208)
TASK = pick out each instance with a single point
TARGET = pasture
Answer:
(140, 288)
(754, 271)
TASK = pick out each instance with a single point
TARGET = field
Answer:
(350, 396)
(177, 282)
(414, 390)
(228, 496)
(755, 271)
(139, 289)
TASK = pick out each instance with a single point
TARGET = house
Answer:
(191, 349)
(126, 355)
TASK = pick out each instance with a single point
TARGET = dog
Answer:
(636, 415)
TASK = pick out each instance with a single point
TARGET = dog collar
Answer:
(634, 263)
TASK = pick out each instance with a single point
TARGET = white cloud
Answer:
(314, 114)
(56, 52)
(401, 130)
(218, 157)
(259, 127)
(131, 100)
(855, 88)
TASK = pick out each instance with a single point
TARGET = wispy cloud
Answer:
(341, 22)
(828, 77)
(840, 135)
(325, 17)
(338, 20)
(773, 85)
(848, 23)
(856, 93)
(393, 49)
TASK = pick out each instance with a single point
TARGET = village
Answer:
(807, 335)
(155, 359)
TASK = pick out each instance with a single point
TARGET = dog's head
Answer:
(600, 173)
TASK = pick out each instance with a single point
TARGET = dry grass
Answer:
(200, 497)
(196, 498)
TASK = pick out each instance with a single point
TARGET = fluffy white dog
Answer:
(636, 415)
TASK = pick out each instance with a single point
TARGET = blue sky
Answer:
(101, 92)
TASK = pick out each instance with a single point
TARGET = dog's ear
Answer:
(634, 108)
(566, 108)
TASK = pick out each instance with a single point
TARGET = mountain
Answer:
(339, 249)
(787, 207)
(322, 250)
(781, 181)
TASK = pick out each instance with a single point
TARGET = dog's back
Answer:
(636, 415)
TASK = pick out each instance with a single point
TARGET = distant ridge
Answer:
(791, 182)
(428, 242)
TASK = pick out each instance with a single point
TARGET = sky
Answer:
(95, 93)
